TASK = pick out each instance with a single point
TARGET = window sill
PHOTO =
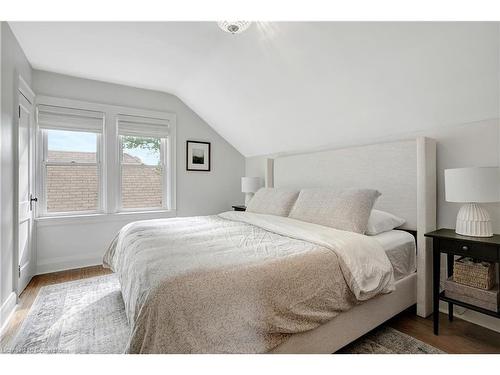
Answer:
(103, 218)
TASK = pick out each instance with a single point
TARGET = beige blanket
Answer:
(238, 282)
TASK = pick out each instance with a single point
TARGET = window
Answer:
(142, 172)
(97, 158)
(71, 168)
(142, 158)
(72, 171)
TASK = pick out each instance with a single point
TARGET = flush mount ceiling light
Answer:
(234, 27)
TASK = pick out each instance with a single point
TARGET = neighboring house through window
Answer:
(72, 172)
(143, 180)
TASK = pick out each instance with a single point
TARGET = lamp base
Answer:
(248, 196)
(474, 221)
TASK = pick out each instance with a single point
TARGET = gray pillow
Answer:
(344, 209)
(270, 201)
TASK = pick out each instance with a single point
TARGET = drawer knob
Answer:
(465, 248)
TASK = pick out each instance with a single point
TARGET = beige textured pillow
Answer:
(345, 209)
(270, 201)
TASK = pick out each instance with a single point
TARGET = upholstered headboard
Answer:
(404, 172)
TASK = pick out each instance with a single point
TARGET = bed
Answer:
(252, 283)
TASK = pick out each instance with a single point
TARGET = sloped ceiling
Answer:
(290, 86)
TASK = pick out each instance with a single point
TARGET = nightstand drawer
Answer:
(470, 249)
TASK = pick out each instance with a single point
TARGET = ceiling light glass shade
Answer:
(234, 27)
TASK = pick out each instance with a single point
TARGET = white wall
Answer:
(198, 193)
(13, 63)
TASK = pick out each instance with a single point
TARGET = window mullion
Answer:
(110, 173)
(119, 172)
(100, 186)
(165, 172)
(43, 177)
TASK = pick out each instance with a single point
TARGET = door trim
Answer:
(22, 89)
(26, 90)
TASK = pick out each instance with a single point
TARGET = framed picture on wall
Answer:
(197, 156)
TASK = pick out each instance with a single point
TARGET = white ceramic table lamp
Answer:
(473, 186)
(249, 185)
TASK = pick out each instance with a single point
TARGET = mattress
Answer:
(401, 250)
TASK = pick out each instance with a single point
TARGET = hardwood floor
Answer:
(459, 336)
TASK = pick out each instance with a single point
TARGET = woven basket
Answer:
(476, 274)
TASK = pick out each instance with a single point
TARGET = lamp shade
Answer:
(472, 185)
(250, 184)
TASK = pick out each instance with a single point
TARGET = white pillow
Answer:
(344, 209)
(381, 221)
(271, 201)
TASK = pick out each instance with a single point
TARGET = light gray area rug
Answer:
(88, 316)
(387, 340)
(84, 316)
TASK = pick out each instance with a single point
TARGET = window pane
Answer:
(68, 146)
(141, 172)
(72, 188)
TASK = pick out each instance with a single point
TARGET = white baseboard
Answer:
(472, 316)
(6, 311)
(68, 263)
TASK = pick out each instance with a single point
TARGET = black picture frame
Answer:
(209, 156)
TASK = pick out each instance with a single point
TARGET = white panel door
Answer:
(26, 200)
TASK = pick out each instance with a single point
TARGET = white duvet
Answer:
(239, 282)
(366, 267)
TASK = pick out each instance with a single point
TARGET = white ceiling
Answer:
(289, 86)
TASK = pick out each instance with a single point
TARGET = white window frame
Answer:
(110, 167)
(45, 163)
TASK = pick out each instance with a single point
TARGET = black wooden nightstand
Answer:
(239, 208)
(448, 242)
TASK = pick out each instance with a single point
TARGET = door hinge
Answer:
(19, 111)
(19, 270)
